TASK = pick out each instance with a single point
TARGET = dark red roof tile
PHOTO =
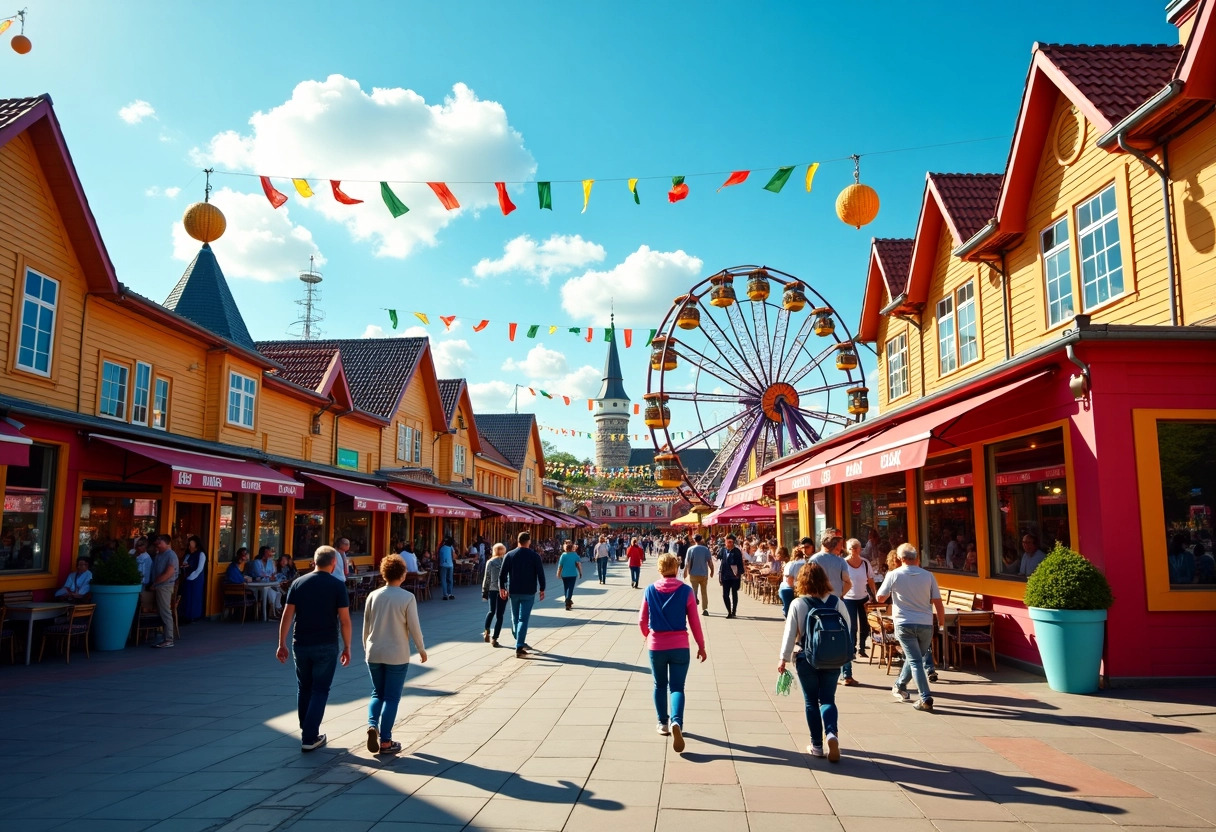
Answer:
(969, 199)
(509, 433)
(449, 394)
(1115, 79)
(12, 109)
(303, 366)
(896, 258)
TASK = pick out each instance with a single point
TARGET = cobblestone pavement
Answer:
(204, 737)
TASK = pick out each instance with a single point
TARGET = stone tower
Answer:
(612, 413)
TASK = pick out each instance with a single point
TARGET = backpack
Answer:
(827, 642)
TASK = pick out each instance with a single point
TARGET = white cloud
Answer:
(137, 111)
(559, 254)
(640, 289)
(451, 357)
(333, 128)
(540, 364)
(167, 193)
(375, 331)
(259, 243)
(495, 397)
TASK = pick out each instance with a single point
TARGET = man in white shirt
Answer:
(411, 560)
(341, 566)
(143, 560)
(1032, 555)
(78, 584)
(915, 596)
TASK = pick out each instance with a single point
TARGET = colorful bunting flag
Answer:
(336, 185)
(587, 183)
(546, 395)
(447, 321)
(633, 189)
(810, 174)
(392, 316)
(589, 404)
(504, 201)
(609, 334)
(302, 187)
(577, 330)
(276, 198)
(395, 206)
(637, 408)
(532, 330)
(566, 399)
(530, 390)
(446, 197)
(4, 26)
(544, 191)
(779, 179)
(511, 332)
(481, 326)
(736, 178)
(422, 317)
(678, 189)
(650, 337)
(589, 335)
(552, 330)
(628, 338)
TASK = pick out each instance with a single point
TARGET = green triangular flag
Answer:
(577, 330)
(544, 191)
(608, 335)
(395, 206)
(546, 395)
(532, 330)
(650, 337)
(392, 316)
(779, 179)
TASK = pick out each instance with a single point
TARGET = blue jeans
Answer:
(635, 573)
(786, 594)
(521, 611)
(858, 623)
(819, 691)
(670, 669)
(916, 641)
(602, 565)
(315, 665)
(446, 584)
(568, 584)
(387, 682)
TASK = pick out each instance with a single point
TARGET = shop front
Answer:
(437, 515)
(362, 514)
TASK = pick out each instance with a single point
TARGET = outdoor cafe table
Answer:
(31, 611)
(264, 595)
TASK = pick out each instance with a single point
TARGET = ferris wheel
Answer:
(747, 378)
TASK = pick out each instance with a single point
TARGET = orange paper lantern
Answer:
(21, 44)
(857, 205)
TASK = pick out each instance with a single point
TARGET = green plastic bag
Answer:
(784, 682)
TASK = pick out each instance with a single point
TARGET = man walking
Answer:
(447, 569)
(698, 569)
(570, 570)
(837, 569)
(915, 598)
(731, 575)
(164, 580)
(602, 552)
(341, 565)
(522, 573)
(318, 605)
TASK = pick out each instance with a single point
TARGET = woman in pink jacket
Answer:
(669, 609)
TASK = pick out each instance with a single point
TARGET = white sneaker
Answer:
(833, 749)
(662, 728)
(901, 695)
(815, 751)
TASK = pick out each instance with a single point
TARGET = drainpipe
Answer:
(334, 454)
(1163, 174)
(84, 328)
(1007, 306)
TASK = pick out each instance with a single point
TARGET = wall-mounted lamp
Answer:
(194, 367)
(316, 424)
(1078, 383)
(460, 422)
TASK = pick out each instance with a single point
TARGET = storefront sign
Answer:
(1033, 475)
(224, 482)
(379, 505)
(881, 461)
(22, 503)
(348, 459)
(789, 505)
(946, 483)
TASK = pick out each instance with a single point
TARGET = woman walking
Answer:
(194, 568)
(636, 555)
(390, 620)
(669, 609)
(570, 570)
(861, 590)
(818, 686)
(789, 575)
(489, 592)
(603, 551)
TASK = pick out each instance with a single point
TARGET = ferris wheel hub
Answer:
(777, 394)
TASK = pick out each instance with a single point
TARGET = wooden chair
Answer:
(7, 635)
(237, 597)
(20, 596)
(149, 621)
(79, 621)
(775, 582)
(418, 583)
(973, 629)
(882, 637)
(360, 592)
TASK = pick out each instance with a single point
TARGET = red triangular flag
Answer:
(588, 335)
(511, 332)
(447, 320)
(504, 201)
(589, 405)
(637, 408)
(566, 399)
(341, 197)
(628, 338)
(735, 178)
(530, 390)
(677, 193)
(276, 197)
(445, 195)
(481, 326)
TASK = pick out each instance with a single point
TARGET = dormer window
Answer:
(39, 304)
(242, 396)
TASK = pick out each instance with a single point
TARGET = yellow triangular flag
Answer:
(302, 187)
(810, 174)
(552, 330)
(422, 317)
(587, 183)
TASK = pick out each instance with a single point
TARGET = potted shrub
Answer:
(1068, 598)
(116, 586)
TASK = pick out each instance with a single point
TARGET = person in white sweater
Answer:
(390, 620)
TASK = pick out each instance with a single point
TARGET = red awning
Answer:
(437, 503)
(14, 445)
(742, 513)
(213, 473)
(754, 490)
(557, 519)
(509, 513)
(898, 448)
(366, 497)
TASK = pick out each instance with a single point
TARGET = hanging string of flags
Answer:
(592, 434)
(531, 331)
(600, 495)
(630, 472)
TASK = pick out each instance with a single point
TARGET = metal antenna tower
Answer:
(306, 326)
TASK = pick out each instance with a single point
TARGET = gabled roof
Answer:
(510, 434)
(454, 393)
(36, 117)
(1197, 66)
(961, 202)
(318, 371)
(377, 369)
(202, 296)
(488, 451)
(614, 386)
(449, 394)
(887, 276)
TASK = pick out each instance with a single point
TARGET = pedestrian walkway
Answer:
(205, 737)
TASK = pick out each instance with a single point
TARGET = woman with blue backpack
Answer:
(669, 609)
(817, 627)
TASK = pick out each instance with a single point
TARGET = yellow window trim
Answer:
(1152, 514)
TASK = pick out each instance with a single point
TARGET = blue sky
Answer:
(548, 91)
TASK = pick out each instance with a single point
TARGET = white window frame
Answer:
(37, 305)
(458, 459)
(116, 390)
(1055, 245)
(243, 396)
(967, 307)
(402, 443)
(1098, 243)
(161, 421)
(141, 394)
(529, 479)
(897, 347)
(947, 345)
(418, 445)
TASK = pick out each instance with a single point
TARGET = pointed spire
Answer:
(613, 387)
(203, 297)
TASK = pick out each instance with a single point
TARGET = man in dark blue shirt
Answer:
(522, 573)
(317, 603)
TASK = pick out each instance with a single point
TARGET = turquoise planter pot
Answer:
(115, 612)
(1070, 645)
